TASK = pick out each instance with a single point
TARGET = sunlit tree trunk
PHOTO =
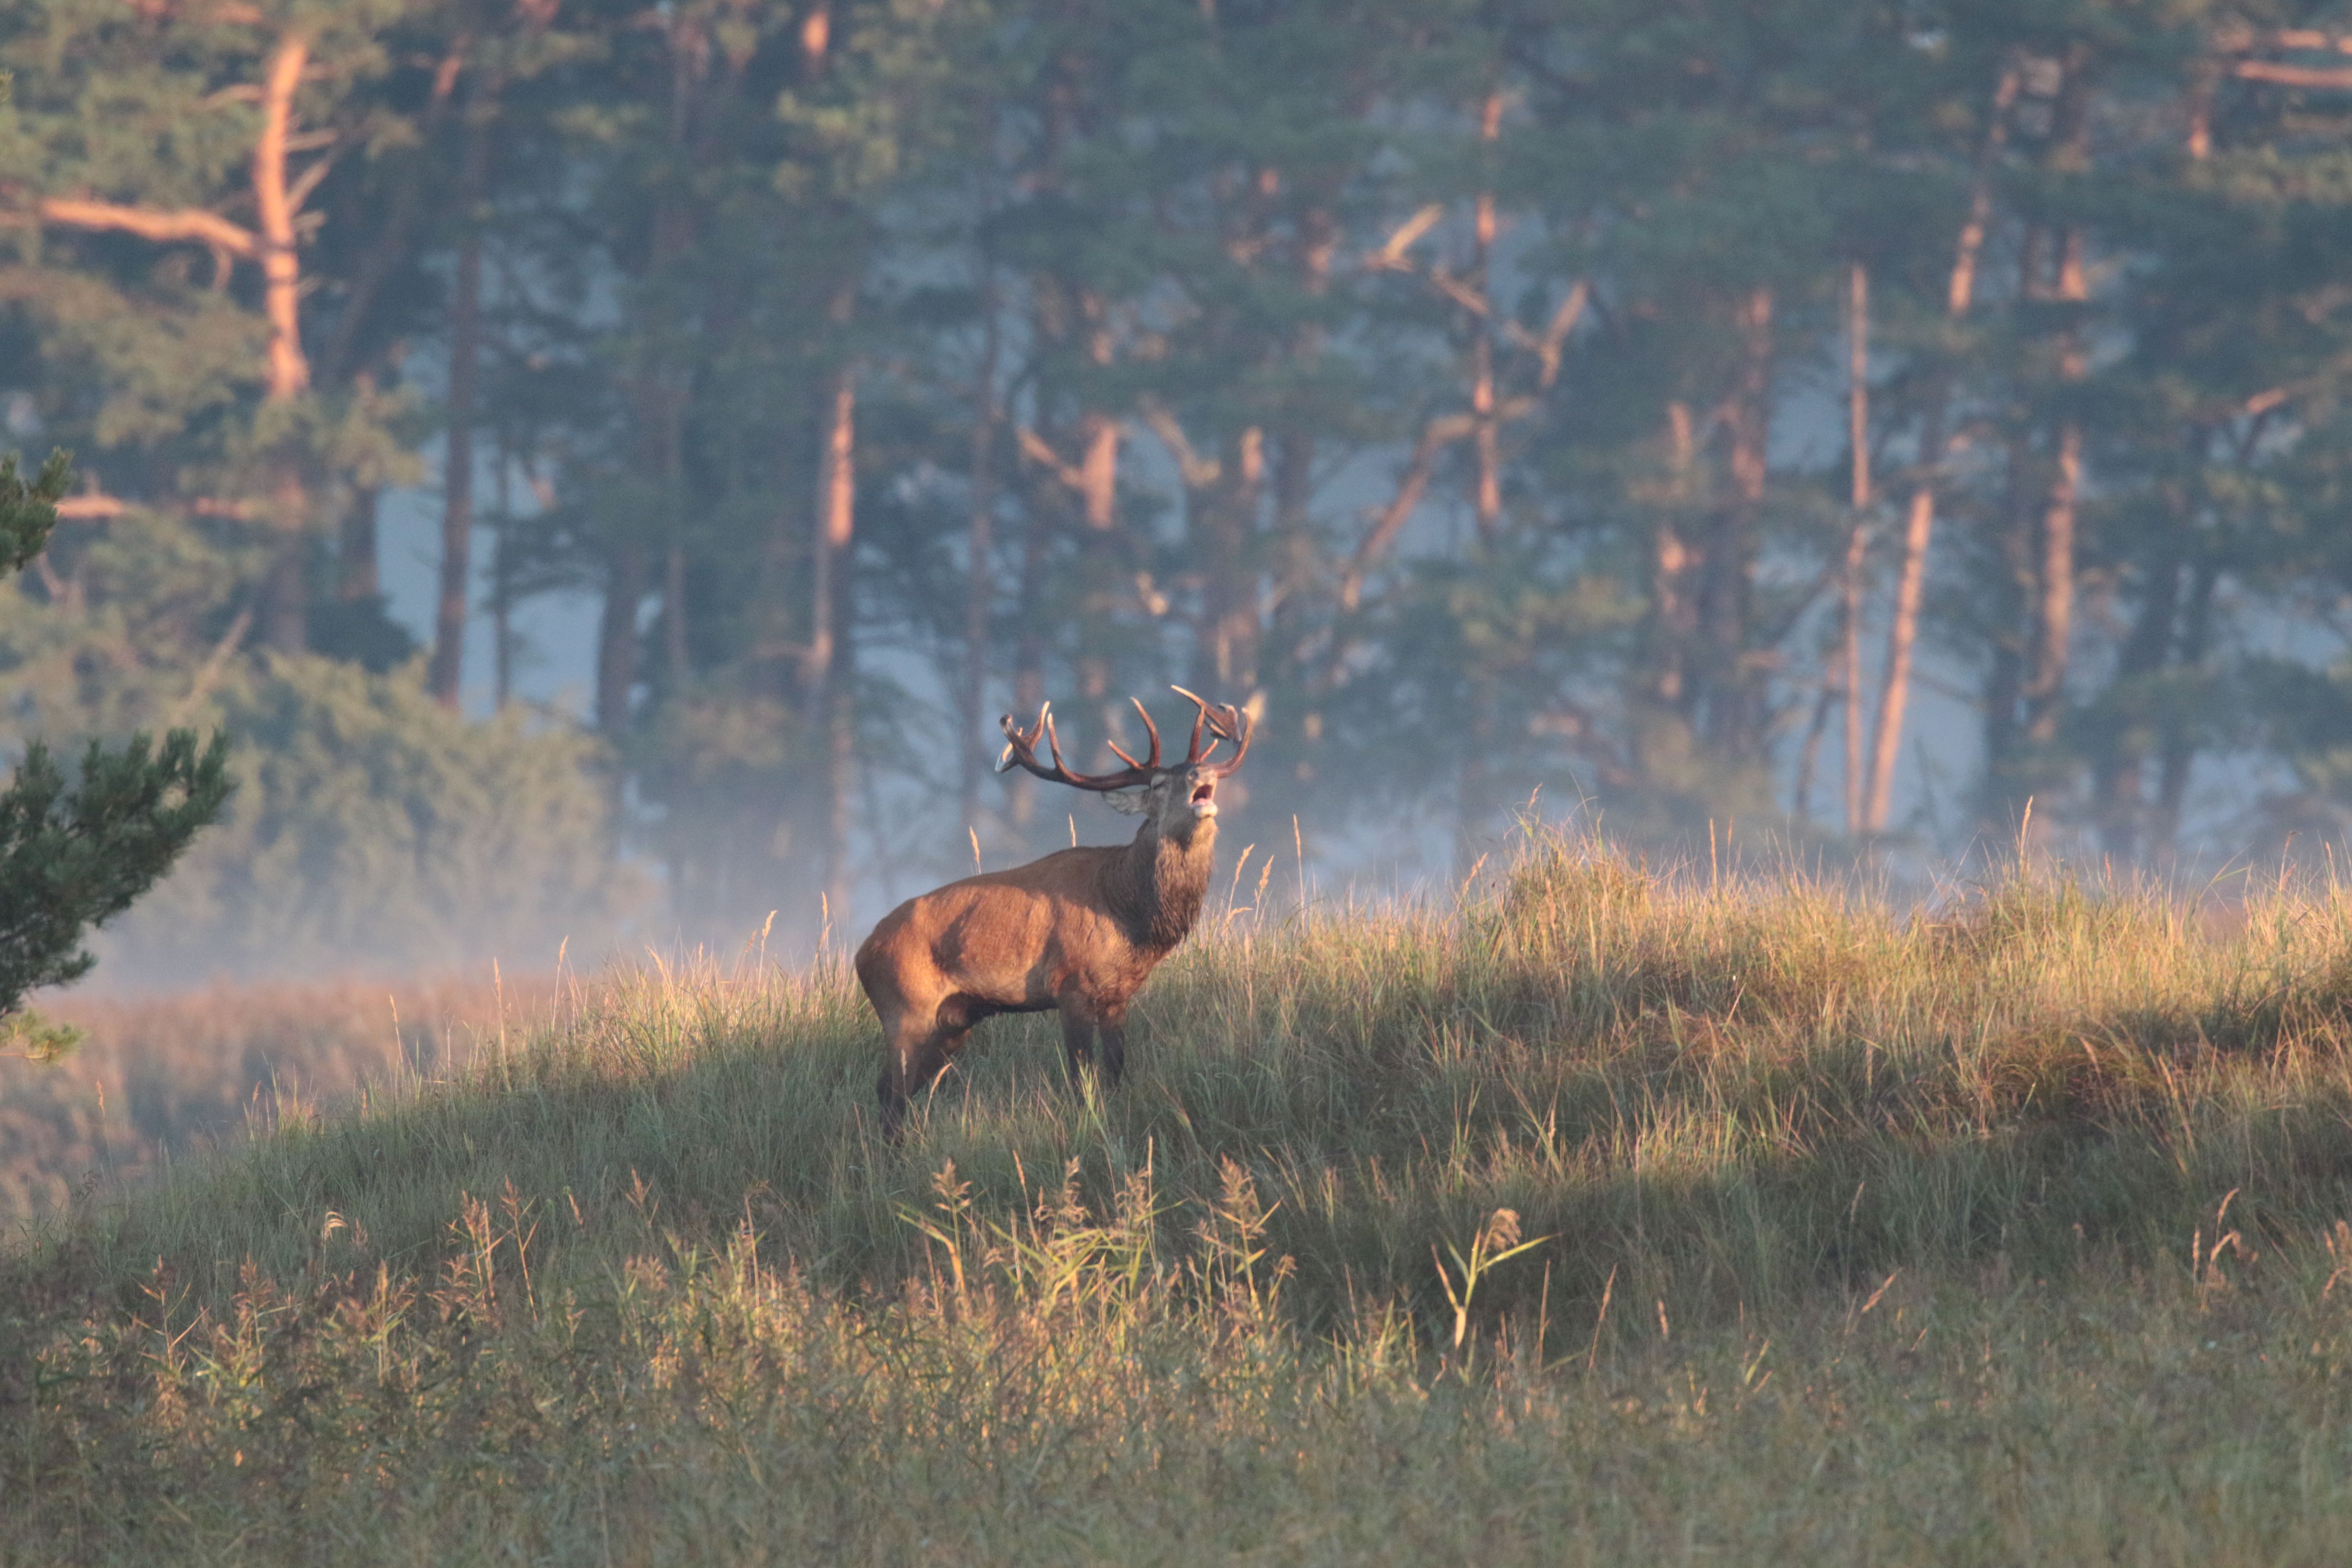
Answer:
(1488, 501)
(830, 673)
(285, 594)
(1857, 541)
(1099, 439)
(1674, 619)
(1919, 523)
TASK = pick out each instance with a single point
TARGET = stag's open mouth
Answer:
(1204, 798)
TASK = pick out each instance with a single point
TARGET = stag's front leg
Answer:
(1113, 1027)
(1077, 1040)
(919, 1055)
(1082, 1022)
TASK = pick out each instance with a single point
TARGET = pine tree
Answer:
(75, 854)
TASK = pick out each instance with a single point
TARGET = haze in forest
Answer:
(607, 467)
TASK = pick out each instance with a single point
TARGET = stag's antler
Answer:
(1221, 723)
(1021, 748)
(1224, 722)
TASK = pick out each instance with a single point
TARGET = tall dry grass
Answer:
(1611, 1215)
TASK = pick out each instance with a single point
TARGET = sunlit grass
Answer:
(2012, 1230)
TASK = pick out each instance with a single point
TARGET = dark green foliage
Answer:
(74, 855)
(29, 512)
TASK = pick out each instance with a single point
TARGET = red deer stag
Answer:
(1079, 930)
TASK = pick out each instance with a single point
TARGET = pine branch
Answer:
(187, 224)
(72, 858)
(27, 512)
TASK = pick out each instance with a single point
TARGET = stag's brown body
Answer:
(1079, 930)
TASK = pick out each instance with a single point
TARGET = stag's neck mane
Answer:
(1160, 883)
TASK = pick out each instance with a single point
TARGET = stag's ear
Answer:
(1127, 802)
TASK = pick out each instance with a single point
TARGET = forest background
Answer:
(1643, 402)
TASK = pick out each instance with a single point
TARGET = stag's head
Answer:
(1177, 801)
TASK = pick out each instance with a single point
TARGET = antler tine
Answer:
(1238, 727)
(1226, 722)
(1022, 751)
(1150, 729)
(1193, 755)
(1054, 744)
(1018, 747)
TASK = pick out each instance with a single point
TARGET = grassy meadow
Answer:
(160, 1078)
(1607, 1218)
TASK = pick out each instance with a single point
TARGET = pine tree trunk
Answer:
(358, 575)
(1902, 637)
(1029, 660)
(1295, 554)
(281, 267)
(2045, 691)
(1475, 786)
(1098, 632)
(502, 591)
(1735, 696)
(829, 648)
(2179, 752)
(1221, 513)
(286, 599)
(458, 472)
(2009, 669)
(1919, 528)
(616, 640)
(1809, 754)
(980, 592)
(2115, 779)
(1857, 541)
(1239, 633)
(1488, 501)
(286, 593)
(1674, 619)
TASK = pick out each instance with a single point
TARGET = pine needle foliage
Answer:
(74, 854)
(29, 512)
